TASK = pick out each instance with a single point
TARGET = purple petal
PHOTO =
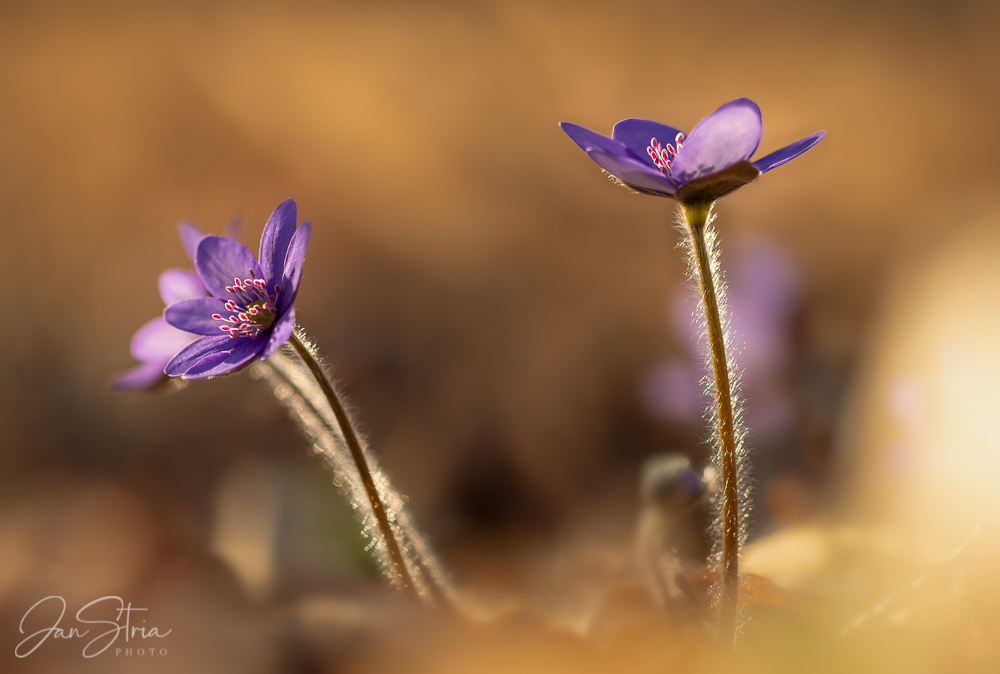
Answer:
(196, 315)
(180, 284)
(293, 265)
(156, 341)
(636, 134)
(191, 236)
(591, 140)
(195, 352)
(787, 153)
(241, 351)
(280, 333)
(137, 378)
(275, 239)
(220, 261)
(634, 172)
(728, 135)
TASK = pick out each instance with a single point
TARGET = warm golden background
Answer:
(496, 311)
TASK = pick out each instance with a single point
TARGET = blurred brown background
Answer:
(496, 311)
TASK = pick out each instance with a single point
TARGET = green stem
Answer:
(357, 454)
(696, 218)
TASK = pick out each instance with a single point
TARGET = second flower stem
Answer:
(396, 558)
(696, 218)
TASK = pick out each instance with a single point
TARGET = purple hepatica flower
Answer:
(249, 313)
(711, 162)
(156, 342)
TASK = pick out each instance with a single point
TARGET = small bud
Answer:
(670, 483)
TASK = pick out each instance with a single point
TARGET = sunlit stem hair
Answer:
(301, 384)
(729, 529)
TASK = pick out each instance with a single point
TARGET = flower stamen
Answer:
(663, 156)
(252, 310)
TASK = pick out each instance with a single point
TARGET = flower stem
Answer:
(357, 454)
(696, 218)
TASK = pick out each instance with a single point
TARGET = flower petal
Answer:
(196, 315)
(139, 377)
(636, 134)
(591, 140)
(280, 333)
(242, 351)
(220, 261)
(195, 352)
(180, 284)
(293, 265)
(274, 240)
(787, 153)
(634, 173)
(728, 135)
(190, 237)
(156, 341)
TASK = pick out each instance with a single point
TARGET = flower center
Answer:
(663, 156)
(251, 309)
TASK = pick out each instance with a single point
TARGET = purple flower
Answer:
(249, 312)
(709, 163)
(156, 342)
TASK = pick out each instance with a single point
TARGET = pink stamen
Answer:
(663, 156)
(252, 309)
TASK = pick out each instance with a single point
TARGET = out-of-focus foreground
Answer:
(513, 331)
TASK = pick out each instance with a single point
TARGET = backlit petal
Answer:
(242, 350)
(220, 261)
(725, 137)
(139, 377)
(634, 172)
(275, 239)
(195, 352)
(156, 341)
(280, 333)
(591, 140)
(297, 253)
(180, 284)
(196, 315)
(787, 153)
(636, 134)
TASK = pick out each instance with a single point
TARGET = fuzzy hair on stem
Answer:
(728, 434)
(298, 390)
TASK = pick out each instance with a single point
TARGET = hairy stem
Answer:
(696, 219)
(357, 454)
